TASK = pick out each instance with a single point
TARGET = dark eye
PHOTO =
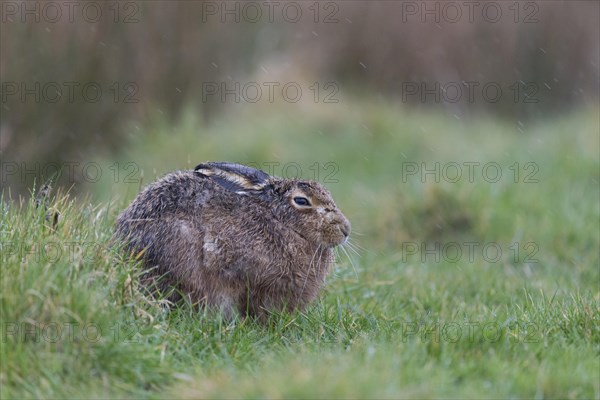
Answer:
(301, 201)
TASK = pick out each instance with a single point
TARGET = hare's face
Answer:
(314, 214)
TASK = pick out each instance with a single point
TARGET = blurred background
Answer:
(85, 82)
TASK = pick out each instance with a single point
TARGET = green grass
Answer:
(390, 324)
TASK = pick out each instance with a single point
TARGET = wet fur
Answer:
(232, 240)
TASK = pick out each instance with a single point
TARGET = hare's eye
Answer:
(301, 201)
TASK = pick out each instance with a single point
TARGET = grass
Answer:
(394, 321)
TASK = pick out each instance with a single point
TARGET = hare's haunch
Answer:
(234, 238)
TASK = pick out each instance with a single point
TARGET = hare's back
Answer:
(180, 192)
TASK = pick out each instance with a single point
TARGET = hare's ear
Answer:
(235, 177)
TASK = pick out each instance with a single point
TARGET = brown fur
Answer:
(233, 238)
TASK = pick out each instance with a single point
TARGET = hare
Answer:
(234, 238)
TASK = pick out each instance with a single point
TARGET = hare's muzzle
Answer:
(340, 230)
(345, 229)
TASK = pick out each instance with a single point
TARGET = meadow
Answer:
(475, 272)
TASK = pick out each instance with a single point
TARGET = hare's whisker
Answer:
(357, 233)
(353, 248)
(310, 266)
(355, 244)
(351, 261)
(359, 247)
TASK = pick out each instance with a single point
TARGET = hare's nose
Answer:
(345, 228)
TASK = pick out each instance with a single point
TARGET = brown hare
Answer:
(234, 238)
